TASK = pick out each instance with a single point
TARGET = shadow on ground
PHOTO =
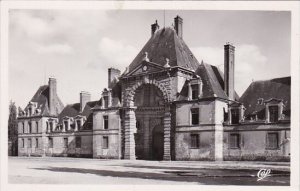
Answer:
(201, 176)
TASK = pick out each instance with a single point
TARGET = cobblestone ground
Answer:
(93, 171)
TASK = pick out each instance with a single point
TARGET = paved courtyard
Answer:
(29, 170)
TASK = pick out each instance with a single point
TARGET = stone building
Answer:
(165, 106)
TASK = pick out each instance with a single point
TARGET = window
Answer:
(195, 116)
(260, 101)
(78, 142)
(47, 126)
(195, 91)
(66, 124)
(36, 143)
(65, 142)
(51, 126)
(37, 126)
(29, 125)
(272, 141)
(78, 123)
(22, 143)
(29, 143)
(105, 118)
(194, 140)
(50, 143)
(23, 128)
(30, 111)
(105, 143)
(273, 110)
(234, 141)
(105, 101)
(235, 116)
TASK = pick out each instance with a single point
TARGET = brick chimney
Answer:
(84, 98)
(229, 70)
(178, 26)
(154, 28)
(52, 95)
(112, 74)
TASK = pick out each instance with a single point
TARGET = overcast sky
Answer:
(77, 47)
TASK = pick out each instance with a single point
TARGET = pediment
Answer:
(145, 67)
(273, 101)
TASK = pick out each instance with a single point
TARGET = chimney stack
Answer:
(229, 70)
(84, 98)
(52, 95)
(112, 74)
(178, 26)
(154, 28)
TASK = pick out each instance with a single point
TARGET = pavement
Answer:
(59, 170)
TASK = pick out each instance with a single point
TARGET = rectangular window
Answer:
(235, 116)
(37, 126)
(23, 127)
(234, 141)
(272, 141)
(105, 119)
(36, 143)
(195, 116)
(195, 141)
(50, 143)
(78, 124)
(195, 91)
(66, 124)
(22, 143)
(29, 143)
(30, 127)
(105, 101)
(78, 142)
(66, 143)
(273, 110)
(51, 126)
(105, 143)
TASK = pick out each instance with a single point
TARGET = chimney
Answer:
(154, 28)
(178, 25)
(229, 70)
(84, 98)
(52, 95)
(112, 74)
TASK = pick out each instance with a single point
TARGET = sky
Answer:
(78, 46)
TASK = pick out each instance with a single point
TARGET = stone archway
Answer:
(130, 119)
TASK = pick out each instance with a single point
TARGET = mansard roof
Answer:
(41, 97)
(73, 110)
(213, 83)
(259, 92)
(164, 44)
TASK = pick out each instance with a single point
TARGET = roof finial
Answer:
(167, 63)
(146, 57)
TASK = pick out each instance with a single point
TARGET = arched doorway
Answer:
(158, 143)
(149, 112)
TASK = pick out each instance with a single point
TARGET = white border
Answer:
(292, 6)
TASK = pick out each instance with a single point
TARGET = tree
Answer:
(13, 128)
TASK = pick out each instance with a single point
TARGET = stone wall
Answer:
(253, 142)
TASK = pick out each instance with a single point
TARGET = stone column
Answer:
(167, 134)
(130, 129)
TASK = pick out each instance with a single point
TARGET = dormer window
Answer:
(29, 111)
(235, 113)
(78, 122)
(195, 91)
(105, 101)
(260, 101)
(273, 110)
(235, 116)
(66, 125)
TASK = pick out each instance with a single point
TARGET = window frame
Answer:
(195, 144)
(195, 88)
(50, 142)
(235, 111)
(268, 145)
(236, 145)
(36, 142)
(78, 142)
(66, 142)
(29, 143)
(195, 113)
(29, 127)
(105, 122)
(271, 114)
(105, 142)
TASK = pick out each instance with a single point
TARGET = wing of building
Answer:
(168, 106)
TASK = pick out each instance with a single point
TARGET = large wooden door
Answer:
(157, 143)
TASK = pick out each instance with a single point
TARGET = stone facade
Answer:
(164, 106)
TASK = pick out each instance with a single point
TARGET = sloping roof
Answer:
(41, 97)
(213, 83)
(72, 110)
(278, 88)
(166, 44)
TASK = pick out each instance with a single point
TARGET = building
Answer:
(164, 106)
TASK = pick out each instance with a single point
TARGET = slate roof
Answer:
(213, 83)
(166, 44)
(72, 110)
(278, 88)
(41, 97)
